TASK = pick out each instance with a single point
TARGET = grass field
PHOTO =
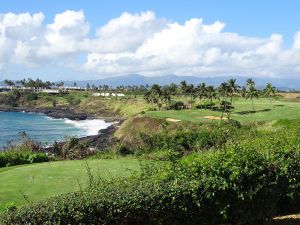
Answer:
(38, 181)
(264, 111)
(114, 107)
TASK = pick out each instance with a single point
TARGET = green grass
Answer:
(265, 111)
(38, 181)
(114, 107)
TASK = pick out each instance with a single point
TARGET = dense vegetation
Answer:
(242, 169)
(21, 156)
(26, 152)
(253, 176)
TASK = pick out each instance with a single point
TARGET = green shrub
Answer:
(239, 185)
(122, 150)
(31, 96)
(184, 140)
(21, 156)
(177, 105)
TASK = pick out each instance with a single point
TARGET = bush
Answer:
(72, 148)
(239, 185)
(31, 96)
(209, 105)
(21, 156)
(73, 100)
(122, 150)
(183, 140)
(176, 105)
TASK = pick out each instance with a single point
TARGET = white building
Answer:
(50, 91)
(107, 94)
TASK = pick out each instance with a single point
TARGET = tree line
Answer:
(159, 96)
(30, 83)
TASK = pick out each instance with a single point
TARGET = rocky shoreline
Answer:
(57, 112)
(102, 140)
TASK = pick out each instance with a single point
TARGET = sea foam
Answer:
(90, 127)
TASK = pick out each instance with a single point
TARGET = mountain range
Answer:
(135, 79)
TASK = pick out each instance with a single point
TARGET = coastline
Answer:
(56, 112)
(100, 141)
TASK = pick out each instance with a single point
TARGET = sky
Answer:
(80, 40)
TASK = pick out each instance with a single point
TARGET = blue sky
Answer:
(252, 19)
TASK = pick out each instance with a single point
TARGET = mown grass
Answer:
(265, 110)
(38, 181)
(114, 107)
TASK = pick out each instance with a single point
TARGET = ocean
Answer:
(44, 129)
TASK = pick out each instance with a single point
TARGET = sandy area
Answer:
(289, 95)
(286, 220)
(172, 120)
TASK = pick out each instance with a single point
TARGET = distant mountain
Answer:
(135, 79)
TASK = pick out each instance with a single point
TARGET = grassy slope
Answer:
(113, 107)
(38, 181)
(278, 109)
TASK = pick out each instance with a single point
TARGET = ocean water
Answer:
(44, 129)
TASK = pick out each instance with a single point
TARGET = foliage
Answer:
(27, 152)
(176, 105)
(73, 100)
(21, 156)
(238, 185)
(72, 148)
(148, 136)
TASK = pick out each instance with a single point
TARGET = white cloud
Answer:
(127, 32)
(16, 28)
(194, 48)
(66, 35)
(142, 43)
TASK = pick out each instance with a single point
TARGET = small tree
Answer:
(9, 83)
(154, 95)
(251, 92)
(201, 91)
(211, 93)
(183, 88)
(232, 88)
(270, 91)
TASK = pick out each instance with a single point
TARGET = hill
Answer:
(136, 79)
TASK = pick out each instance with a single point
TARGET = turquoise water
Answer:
(44, 129)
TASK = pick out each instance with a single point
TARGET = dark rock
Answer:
(58, 113)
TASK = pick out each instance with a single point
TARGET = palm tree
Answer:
(243, 92)
(252, 93)
(201, 91)
(223, 92)
(153, 95)
(211, 92)
(9, 83)
(166, 95)
(270, 91)
(173, 89)
(233, 88)
(184, 89)
(60, 84)
(250, 82)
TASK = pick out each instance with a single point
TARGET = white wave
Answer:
(90, 127)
